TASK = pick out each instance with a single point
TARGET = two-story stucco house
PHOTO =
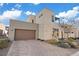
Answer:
(42, 26)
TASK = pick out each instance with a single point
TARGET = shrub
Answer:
(3, 44)
(63, 44)
(73, 44)
(71, 39)
(62, 41)
(52, 41)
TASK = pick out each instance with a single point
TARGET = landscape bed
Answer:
(4, 46)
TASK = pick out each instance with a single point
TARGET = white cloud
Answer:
(77, 20)
(1, 17)
(76, 8)
(30, 13)
(17, 5)
(36, 3)
(14, 13)
(10, 14)
(1, 4)
(61, 14)
(13, 9)
(33, 13)
(70, 13)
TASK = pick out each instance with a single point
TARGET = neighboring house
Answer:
(42, 26)
(3, 30)
(7, 30)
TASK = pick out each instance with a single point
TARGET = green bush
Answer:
(73, 44)
(63, 44)
(62, 41)
(3, 44)
(52, 41)
(71, 39)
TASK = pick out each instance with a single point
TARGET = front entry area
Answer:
(23, 34)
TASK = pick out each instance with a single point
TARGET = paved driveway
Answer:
(36, 48)
(75, 54)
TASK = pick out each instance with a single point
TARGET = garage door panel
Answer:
(24, 34)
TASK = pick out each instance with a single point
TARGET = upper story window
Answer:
(55, 19)
(41, 15)
(32, 21)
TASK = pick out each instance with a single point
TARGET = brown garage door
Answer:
(21, 34)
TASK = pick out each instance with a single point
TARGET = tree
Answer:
(65, 25)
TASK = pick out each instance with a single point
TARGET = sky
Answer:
(21, 11)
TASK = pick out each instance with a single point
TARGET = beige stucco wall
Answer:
(30, 18)
(15, 24)
(46, 25)
(41, 19)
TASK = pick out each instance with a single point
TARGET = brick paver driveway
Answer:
(36, 48)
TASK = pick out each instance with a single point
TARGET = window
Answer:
(52, 18)
(72, 32)
(55, 32)
(41, 15)
(32, 21)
